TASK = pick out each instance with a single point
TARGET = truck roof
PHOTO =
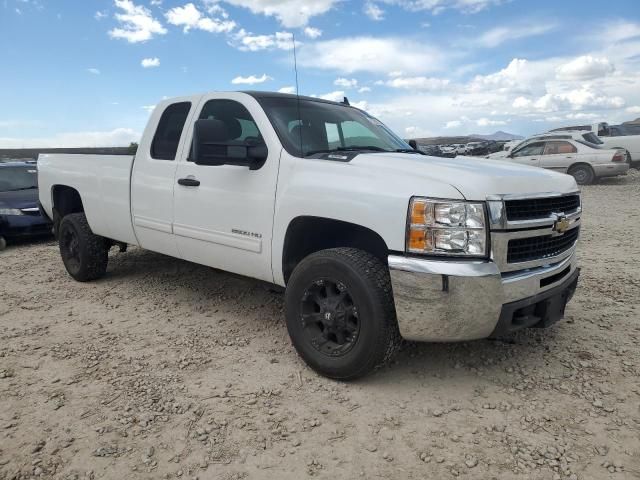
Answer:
(262, 94)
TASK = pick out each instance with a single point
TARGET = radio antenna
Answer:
(295, 68)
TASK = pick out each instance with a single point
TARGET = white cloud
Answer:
(248, 42)
(520, 76)
(251, 79)
(287, 90)
(521, 102)
(100, 15)
(372, 54)
(634, 109)
(119, 137)
(416, 83)
(346, 82)
(150, 62)
(438, 6)
(581, 116)
(486, 122)
(189, 17)
(148, 108)
(453, 124)
(498, 35)
(362, 105)
(336, 96)
(290, 13)
(137, 23)
(364, 89)
(619, 31)
(93, 71)
(312, 32)
(373, 11)
(585, 67)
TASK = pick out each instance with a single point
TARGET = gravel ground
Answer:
(165, 369)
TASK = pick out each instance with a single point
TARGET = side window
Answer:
(531, 149)
(167, 137)
(239, 122)
(556, 148)
(333, 135)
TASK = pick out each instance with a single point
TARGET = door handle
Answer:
(189, 181)
(534, 159)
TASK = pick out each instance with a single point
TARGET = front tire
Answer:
(3, 243)
(340, 313)
(84, 254)
(583, 174)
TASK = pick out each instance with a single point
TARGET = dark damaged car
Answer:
(20, 216)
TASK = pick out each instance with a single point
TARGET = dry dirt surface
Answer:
(165, 369)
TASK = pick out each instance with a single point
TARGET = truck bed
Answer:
(103, 182)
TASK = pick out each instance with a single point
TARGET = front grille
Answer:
(536, 208)
(536, 248)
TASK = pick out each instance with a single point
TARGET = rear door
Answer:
(558, 155)
(529, 154)
(223, 215)
(152, 179)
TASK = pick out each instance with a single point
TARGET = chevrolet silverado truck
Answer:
(372, 240)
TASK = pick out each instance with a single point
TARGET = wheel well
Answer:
(66, 200)
(307, 235)
(579, 164)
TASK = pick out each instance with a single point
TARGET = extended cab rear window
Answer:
(167, 136)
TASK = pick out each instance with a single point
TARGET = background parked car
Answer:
(19, 212)
(584, 161)
(615, 136)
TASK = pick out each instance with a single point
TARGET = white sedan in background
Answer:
(561, 153)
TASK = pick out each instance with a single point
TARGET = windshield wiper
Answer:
(353, 148)
(409, 150)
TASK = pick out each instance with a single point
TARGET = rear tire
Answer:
(84, 254)
(583, 174)
(340, 313)
(3, 243)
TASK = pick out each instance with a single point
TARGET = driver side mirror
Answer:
(212, 146)
(413, 144)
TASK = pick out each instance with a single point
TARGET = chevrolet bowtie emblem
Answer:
(562, 224)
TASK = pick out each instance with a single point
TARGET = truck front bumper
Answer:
(448, 301)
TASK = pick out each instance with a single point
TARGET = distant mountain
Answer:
(498, 136)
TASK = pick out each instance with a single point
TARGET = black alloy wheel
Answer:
(329, 317)
(340, 312)
(70, 249)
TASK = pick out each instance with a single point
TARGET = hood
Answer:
(19, 199)
(475, 178)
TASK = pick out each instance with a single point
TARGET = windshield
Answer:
(306, 127)
(18, 178)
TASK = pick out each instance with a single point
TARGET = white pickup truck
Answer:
(372, 240)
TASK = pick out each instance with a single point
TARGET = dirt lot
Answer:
(166, 369)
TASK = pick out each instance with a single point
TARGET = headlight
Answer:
(447, 227)
(10, 211)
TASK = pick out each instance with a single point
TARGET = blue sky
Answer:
(84, 73)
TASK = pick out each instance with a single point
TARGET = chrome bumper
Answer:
(446, 301)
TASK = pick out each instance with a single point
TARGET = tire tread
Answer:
(97, 256)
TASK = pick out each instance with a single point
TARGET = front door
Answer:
(529, 154)
(152, 179)
(223, 215)
(558, 155)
